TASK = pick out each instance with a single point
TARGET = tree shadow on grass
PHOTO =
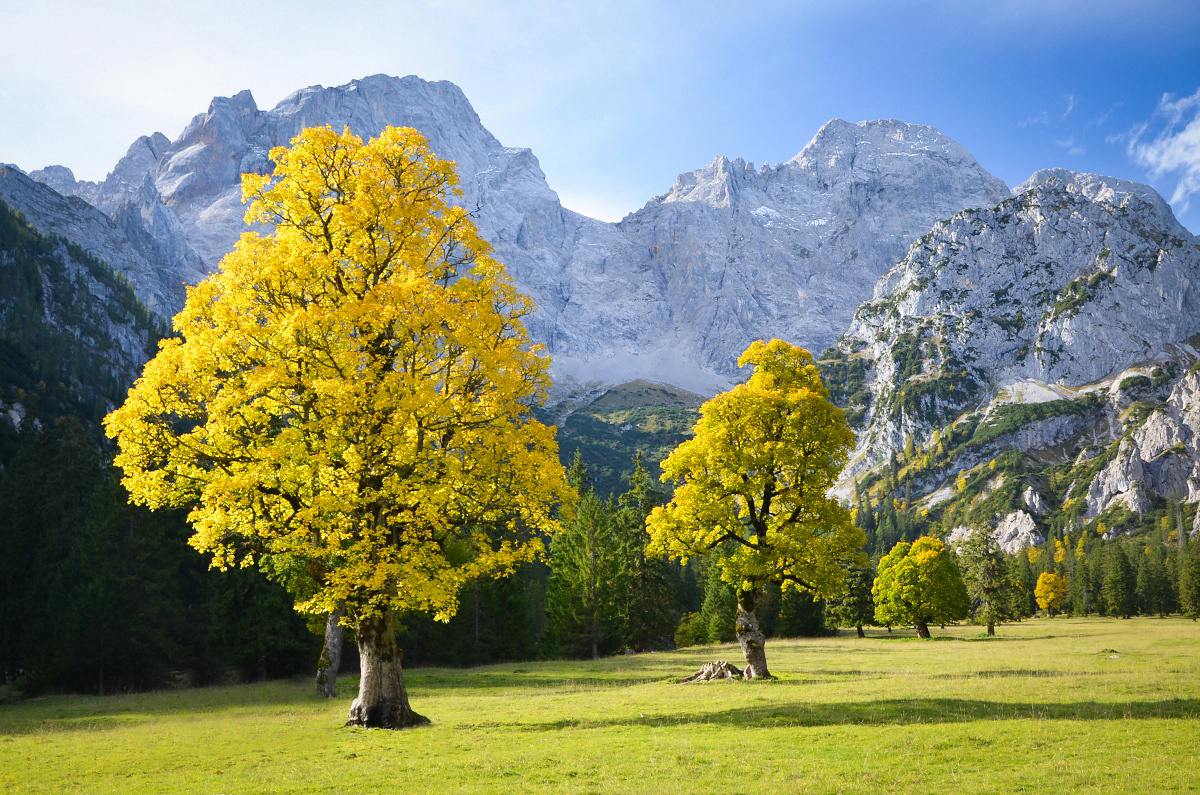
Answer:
(893, 712)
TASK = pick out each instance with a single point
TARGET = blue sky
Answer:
(617, 98)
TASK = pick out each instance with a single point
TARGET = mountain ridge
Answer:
(612, 307)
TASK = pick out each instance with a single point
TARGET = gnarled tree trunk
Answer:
(382, 701)
(861, 634)
(331, 654)
(751, 638)
(922, 629)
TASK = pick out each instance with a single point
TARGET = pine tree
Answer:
(1120, 584)
(1024, 580)
(988, 582)
(854, 608)
(583, 570)
(644, 610)
(1153, 588)
(800, 615)
(719, 611)
(1189, 580)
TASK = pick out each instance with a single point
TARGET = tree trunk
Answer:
(751, 637)
(382, 701)
(331, 654)
(991, 627)
(922, 629)
(861, 634)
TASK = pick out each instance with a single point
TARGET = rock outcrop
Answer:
(1161, 456)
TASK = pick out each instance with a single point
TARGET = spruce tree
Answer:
(854, 608)
(1120, 584)
(1152, 585)
(583, 572)
(988, 582)
(719, 611)
(644, 610)
(1189, 580)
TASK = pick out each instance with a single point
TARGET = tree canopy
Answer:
(754, 484)
(347, 403)
(919, 584)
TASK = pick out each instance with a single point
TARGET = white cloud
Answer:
(1169, 144)
(1070, 98)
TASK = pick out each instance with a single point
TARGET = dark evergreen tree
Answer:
(645, 614)
(719, 611)
(801, 615)
(1024, 581)
(1189, 580)
(582, 597)
(1097, 563)
(1153, 588)
(1120, 584)
(989, 584)
(854, 608)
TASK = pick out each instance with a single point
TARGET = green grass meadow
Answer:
(1058, 705)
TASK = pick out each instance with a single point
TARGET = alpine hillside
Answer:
(1030, 365)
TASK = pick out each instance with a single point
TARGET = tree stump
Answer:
(712, 672)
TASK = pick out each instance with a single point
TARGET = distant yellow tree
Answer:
(348, 402)
(1050, 591)
(754, 483)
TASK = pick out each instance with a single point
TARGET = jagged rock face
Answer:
(1162, 456)
(129, 197)
(672, 294)
(74, 334)
(790, 251)
(1075, 278)
(121, 241)
(1016, 531)
(1034, 501)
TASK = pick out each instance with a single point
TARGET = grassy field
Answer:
(1057, 705)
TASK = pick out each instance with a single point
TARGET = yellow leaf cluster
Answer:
(754, 480)
(1050, 591)
(347, 401)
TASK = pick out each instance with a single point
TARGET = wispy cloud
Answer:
(1041, 118)
(1169, 144)
(1070, 98)
(1069, 143)
(1103, 118)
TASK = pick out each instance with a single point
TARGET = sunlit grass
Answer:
(1064, 705)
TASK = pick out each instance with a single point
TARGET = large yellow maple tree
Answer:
(347, 402)
(754, 483)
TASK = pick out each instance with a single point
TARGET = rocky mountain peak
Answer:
(717, 184)
(1106, 190)
(675, 291)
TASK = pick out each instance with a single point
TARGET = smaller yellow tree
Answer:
(1050, 591)
(919, 584)
(754, 487)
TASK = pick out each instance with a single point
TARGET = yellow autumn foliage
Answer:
(347, 401)
(757, 473)
(1050, 591)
